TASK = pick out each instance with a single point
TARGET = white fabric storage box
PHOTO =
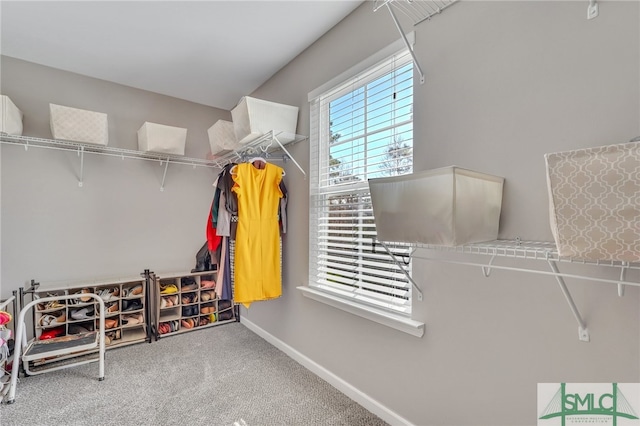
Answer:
(10, 117)
(78, 125)
(222, 137)
(253, 118)
(161, 139)
(449, 206)
(594, 202)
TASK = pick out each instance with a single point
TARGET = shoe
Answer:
(53, 304)
(131, 305)
(164, 328)
(136, 290)
(112, 307)
(189, 298)
(226, 315)
(189, 287)
(51, 333)
(111, 336)
(110, 323)
(207, 309)
(108, 293)
(168, 289)
(207, 284)
(188, 283)
(224, 304)
(50, 320)
(82, 313)
(83, 299)
(132, 319)
(78, 329)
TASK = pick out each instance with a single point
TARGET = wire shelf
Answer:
(417, 10)
(63, 145)
(535, 250)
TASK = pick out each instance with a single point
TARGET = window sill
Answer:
(406, 325)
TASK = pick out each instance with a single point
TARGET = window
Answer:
(361, 128)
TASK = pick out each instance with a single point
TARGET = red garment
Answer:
(213, 239)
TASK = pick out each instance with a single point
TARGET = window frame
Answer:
(339, 85)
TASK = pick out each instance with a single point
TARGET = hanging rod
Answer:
(264, 146)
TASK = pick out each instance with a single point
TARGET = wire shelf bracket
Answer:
(417, 10)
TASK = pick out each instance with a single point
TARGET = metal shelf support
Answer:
(418, 11)
(404, 271)
(81, 155)
(583, 331)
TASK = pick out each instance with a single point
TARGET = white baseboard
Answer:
(349, 390)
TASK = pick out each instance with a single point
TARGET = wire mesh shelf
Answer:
(417, 10)
(520, 249)
(63, 145)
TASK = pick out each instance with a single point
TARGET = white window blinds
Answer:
(360, 129)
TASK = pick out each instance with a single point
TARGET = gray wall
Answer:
(506, 82)
(118, 223)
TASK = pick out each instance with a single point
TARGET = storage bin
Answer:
(594, 202)
(253, 118)
(222, 137)
(162, 139)
(10, 117)
(78, 125)
(449, 206)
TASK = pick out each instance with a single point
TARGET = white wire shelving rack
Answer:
(422, 10)
(84, 148)
(264, 145)
(529, 250)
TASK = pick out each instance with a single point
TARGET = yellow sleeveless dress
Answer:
(257, 255)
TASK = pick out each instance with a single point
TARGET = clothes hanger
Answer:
(253, 160)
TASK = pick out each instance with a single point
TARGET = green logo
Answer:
(588, 404)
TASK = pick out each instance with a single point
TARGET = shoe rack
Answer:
(187, 302)
(125, 302)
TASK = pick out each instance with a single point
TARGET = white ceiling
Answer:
(209, 52)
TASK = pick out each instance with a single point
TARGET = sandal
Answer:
(53, 304)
